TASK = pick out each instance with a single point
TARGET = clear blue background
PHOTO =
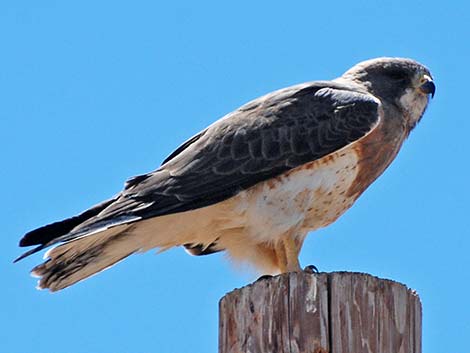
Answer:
(92, 92)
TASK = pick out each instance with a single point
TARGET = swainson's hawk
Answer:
(253, 183)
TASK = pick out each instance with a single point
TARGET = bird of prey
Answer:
(253, 183)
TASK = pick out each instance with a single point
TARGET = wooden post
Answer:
(336, 312)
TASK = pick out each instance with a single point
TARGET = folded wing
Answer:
(259, 141)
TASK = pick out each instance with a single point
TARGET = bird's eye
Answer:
(397, 75)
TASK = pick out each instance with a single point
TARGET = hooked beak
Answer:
(427, 87)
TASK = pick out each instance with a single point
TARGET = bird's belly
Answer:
(305, 198)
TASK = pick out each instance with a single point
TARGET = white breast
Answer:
(305, 198)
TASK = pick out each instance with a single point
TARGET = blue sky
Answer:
(94, 92)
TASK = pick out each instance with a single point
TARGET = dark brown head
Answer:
(404, 83)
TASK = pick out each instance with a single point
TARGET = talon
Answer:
(311, 269)
(263, 277)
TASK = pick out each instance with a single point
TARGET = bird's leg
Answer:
(292, 254)
(281, 257)
(287, 251)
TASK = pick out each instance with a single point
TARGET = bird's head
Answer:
(404, 83)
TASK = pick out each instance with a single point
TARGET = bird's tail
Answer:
(79, 259)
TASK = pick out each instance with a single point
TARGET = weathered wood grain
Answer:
(314, 313)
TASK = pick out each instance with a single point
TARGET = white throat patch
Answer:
(414, 105)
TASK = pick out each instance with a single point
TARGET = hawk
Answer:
(253, 183)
